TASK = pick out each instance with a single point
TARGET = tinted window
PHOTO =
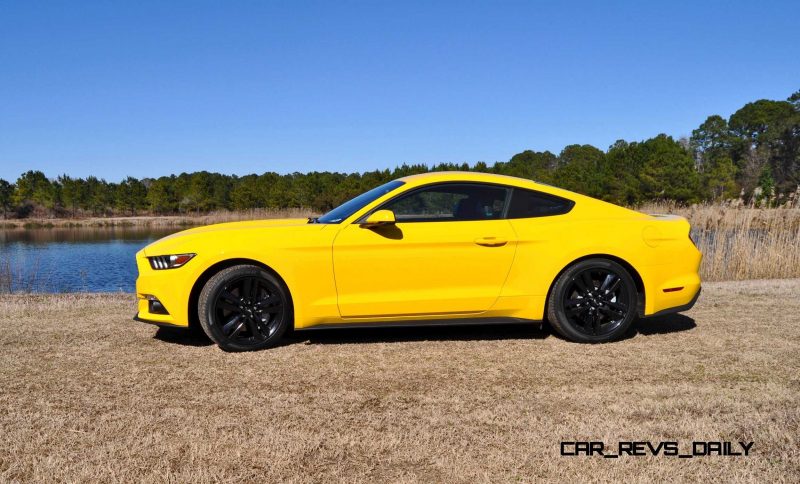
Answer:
(526, 203)
(352, 206)
(450, 202)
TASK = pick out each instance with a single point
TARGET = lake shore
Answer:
(90, 395)
(154, 221)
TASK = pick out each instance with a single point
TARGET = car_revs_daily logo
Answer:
(642, 448)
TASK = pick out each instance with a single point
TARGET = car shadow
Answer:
(654, 325)
(671, 323)
(180, 336)
(484, 332)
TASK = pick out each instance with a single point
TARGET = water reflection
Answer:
(89, 259)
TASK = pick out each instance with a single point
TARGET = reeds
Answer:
(255, 214)
(13, 279)
(742, 243)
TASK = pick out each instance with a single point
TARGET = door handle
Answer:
(490, 241)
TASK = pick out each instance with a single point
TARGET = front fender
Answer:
(302, 258)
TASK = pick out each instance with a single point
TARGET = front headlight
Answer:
(160, 262)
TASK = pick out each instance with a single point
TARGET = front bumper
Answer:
(171, 288)
(157, 323)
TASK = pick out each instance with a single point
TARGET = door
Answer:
(448, 253)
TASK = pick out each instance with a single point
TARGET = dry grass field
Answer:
(86, 394)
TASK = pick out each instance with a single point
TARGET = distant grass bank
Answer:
(155, 221)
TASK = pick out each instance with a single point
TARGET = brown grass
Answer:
(724, 217)
(88, 394)
(742, 243)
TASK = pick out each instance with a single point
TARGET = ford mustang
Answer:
(435, 248)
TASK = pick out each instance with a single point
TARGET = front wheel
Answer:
(593, 301)
(244, 308)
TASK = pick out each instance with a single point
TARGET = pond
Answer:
(73, 259)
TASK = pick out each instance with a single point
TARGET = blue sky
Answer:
(151, 88)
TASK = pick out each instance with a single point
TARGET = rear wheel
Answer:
(244, 308)
(593, 301)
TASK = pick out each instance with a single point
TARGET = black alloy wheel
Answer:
(594, 301)
(244, 308)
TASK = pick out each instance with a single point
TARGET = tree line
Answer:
(753, 155)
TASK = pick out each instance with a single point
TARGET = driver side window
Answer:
(450, 203)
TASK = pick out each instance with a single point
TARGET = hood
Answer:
(248, 224)
(173, 242)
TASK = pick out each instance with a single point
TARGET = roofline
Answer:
(467, 176)
(476, 176)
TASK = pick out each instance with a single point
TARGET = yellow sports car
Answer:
(436, 248)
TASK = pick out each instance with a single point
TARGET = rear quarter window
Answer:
(530, 204)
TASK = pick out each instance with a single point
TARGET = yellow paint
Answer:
(354, 272)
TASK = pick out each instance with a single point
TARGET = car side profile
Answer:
(435, 248)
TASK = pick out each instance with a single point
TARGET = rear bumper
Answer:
(673, 284)
(678, 309)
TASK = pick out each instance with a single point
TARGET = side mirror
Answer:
(376, 219)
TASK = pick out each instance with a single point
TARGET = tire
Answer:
(593, 301)
(245, 308)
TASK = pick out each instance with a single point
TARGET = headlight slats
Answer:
(161, 262)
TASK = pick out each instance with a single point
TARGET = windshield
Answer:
(350, 207)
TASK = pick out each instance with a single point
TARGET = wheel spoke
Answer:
(268, 301)
(253, 327)
(607, 281)
(618, 306)
(229, 296)
(615, 313)
(578, 310)
(586, 320)
(587, 280)
(574, 302)
(581, 286)
(254, 289)
(614, 286)
(247, 287)
(234, 308)
(233, 326)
